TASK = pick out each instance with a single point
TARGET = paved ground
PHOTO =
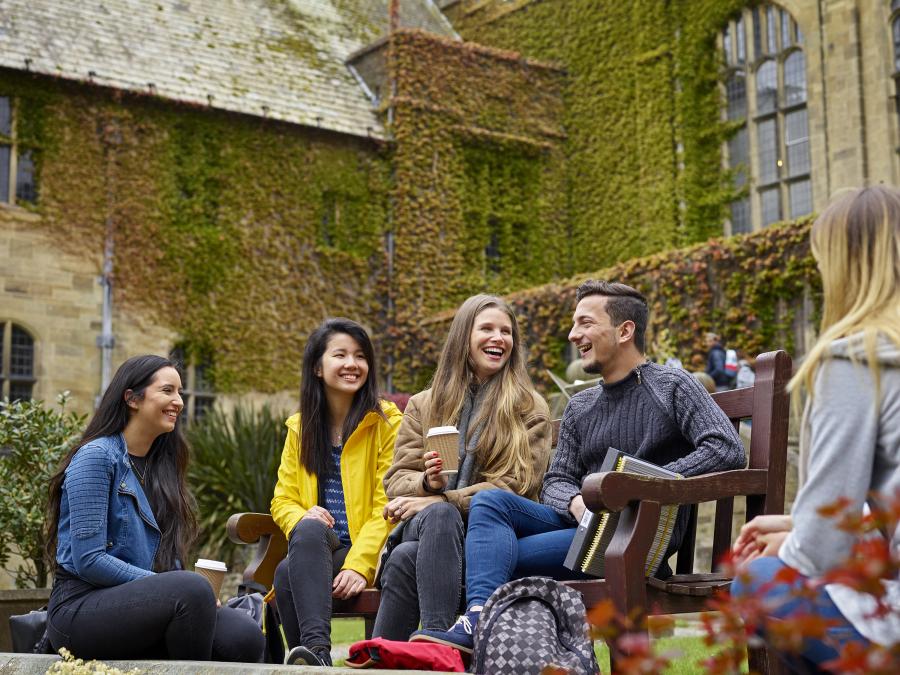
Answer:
(32, 664)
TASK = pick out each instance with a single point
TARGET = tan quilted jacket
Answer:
(405, 476)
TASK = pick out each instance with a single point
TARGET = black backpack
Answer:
(530, 623)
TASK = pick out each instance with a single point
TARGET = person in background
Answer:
(329, 497)
(849, 437)
(746, 374)
(715, 362)
(120, 523)
(480, 386)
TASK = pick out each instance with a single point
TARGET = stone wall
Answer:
(57, 298)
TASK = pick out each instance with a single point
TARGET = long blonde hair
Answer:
(508, 397)
(856, 242)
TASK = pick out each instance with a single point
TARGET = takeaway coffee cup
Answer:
(214, 571)
(445, 442)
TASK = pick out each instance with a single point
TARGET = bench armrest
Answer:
(248, 528)
(259, 529)
(614, 490)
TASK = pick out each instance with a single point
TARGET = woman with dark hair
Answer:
(329, 496)
(120, 523)
(480, 386)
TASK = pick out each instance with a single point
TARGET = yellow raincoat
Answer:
(365, 458)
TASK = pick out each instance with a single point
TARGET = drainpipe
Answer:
(110, 136)
(394, 23)
(106, 340)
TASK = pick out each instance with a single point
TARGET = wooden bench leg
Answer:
(370, 626)
(765, 661)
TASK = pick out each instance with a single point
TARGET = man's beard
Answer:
(592, 368)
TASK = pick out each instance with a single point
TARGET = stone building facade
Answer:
(302, 83)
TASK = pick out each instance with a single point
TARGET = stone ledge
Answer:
(37, 664)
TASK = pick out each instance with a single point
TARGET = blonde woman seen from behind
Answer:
(481, 387)
(850, 432)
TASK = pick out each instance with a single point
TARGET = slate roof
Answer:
(282, 59)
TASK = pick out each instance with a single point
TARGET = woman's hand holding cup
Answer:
(433, 467)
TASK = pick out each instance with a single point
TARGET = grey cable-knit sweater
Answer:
(660, 414)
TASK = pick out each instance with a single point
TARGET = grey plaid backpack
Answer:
(530, 623)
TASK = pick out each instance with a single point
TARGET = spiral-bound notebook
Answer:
(596, 530)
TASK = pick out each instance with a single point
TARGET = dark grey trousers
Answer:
(303, 583)
(423, 575)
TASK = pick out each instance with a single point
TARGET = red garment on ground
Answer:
(381, 653)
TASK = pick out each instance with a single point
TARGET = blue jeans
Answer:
(785, 605)
(509, 537)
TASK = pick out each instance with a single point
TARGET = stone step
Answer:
(37, 664)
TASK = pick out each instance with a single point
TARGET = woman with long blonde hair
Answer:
(850, 433)
(481, 387)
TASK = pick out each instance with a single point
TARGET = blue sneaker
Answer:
(460, 635)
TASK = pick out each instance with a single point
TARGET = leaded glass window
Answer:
(18, 178)
(17, 362)
(197, 389)
(770, 205)
(766, 88)
(770, 159)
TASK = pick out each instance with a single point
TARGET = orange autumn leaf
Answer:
(602, 613)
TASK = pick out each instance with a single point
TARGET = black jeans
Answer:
(303, 583)
(171, 615)
(423, 575)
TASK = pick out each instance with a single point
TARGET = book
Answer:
(596, 530)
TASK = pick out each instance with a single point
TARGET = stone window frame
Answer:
(197, 390)
(749, 42)
(16, 382)
(16, 191)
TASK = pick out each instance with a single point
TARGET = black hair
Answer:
(167, 460)
(315, 439)
(624, 303)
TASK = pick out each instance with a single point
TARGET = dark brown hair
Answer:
(315, 443)
(173, 505)
(624, 304)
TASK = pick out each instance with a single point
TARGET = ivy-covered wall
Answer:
(752, 289)
(642, 114)
(478, 198)
(596, 141)
(239, 234)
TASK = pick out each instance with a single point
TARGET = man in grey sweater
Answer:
(659, 414)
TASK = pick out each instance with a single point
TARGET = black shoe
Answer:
(308, 656)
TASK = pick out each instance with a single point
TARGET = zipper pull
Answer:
(638, 371)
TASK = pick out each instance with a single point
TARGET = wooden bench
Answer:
(640, 499)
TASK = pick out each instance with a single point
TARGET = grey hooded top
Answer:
(849, 446)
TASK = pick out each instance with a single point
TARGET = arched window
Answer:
(765, 92)
(16, 362)
(198, 393)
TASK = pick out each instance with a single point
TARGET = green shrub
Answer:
(234, 465)
(34, 439)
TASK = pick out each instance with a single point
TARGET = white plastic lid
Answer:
(216, 565)
(440, 431)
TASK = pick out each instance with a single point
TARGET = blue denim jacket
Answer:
(107, 534)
